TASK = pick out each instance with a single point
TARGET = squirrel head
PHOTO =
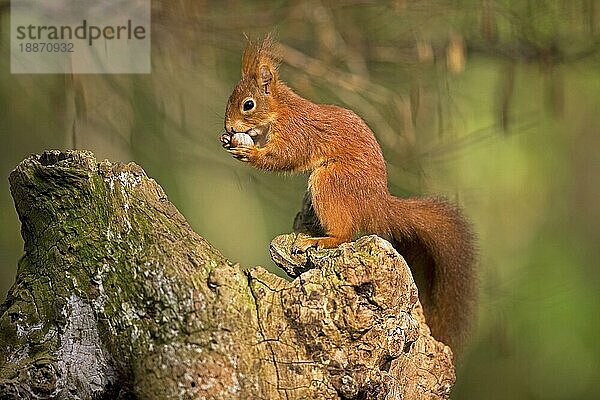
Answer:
(252, 105)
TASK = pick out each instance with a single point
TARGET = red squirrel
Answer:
(348, 187)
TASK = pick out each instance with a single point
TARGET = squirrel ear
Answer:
(266, 77)
(260, 63)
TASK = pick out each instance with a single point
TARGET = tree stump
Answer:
(116, 297)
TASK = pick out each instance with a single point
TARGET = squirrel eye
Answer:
(248, 105)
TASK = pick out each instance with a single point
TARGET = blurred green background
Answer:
(495, 104)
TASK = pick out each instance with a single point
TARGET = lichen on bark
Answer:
(117, 297)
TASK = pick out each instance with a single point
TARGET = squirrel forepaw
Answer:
(242, 153)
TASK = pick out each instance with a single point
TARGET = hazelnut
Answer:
(241, 139)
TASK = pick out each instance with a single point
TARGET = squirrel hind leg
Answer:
(329, 242)
(302, 244)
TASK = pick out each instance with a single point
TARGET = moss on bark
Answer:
(116, 296)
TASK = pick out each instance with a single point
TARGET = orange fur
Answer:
(348, 187)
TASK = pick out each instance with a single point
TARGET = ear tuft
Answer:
(260, 61)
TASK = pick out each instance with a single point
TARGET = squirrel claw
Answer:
(226, 141)
(241, 153)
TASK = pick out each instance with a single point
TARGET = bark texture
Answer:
(117, 297)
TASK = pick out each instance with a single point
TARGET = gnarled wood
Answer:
(116, 296)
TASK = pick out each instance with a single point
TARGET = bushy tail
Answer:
(438, 244)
